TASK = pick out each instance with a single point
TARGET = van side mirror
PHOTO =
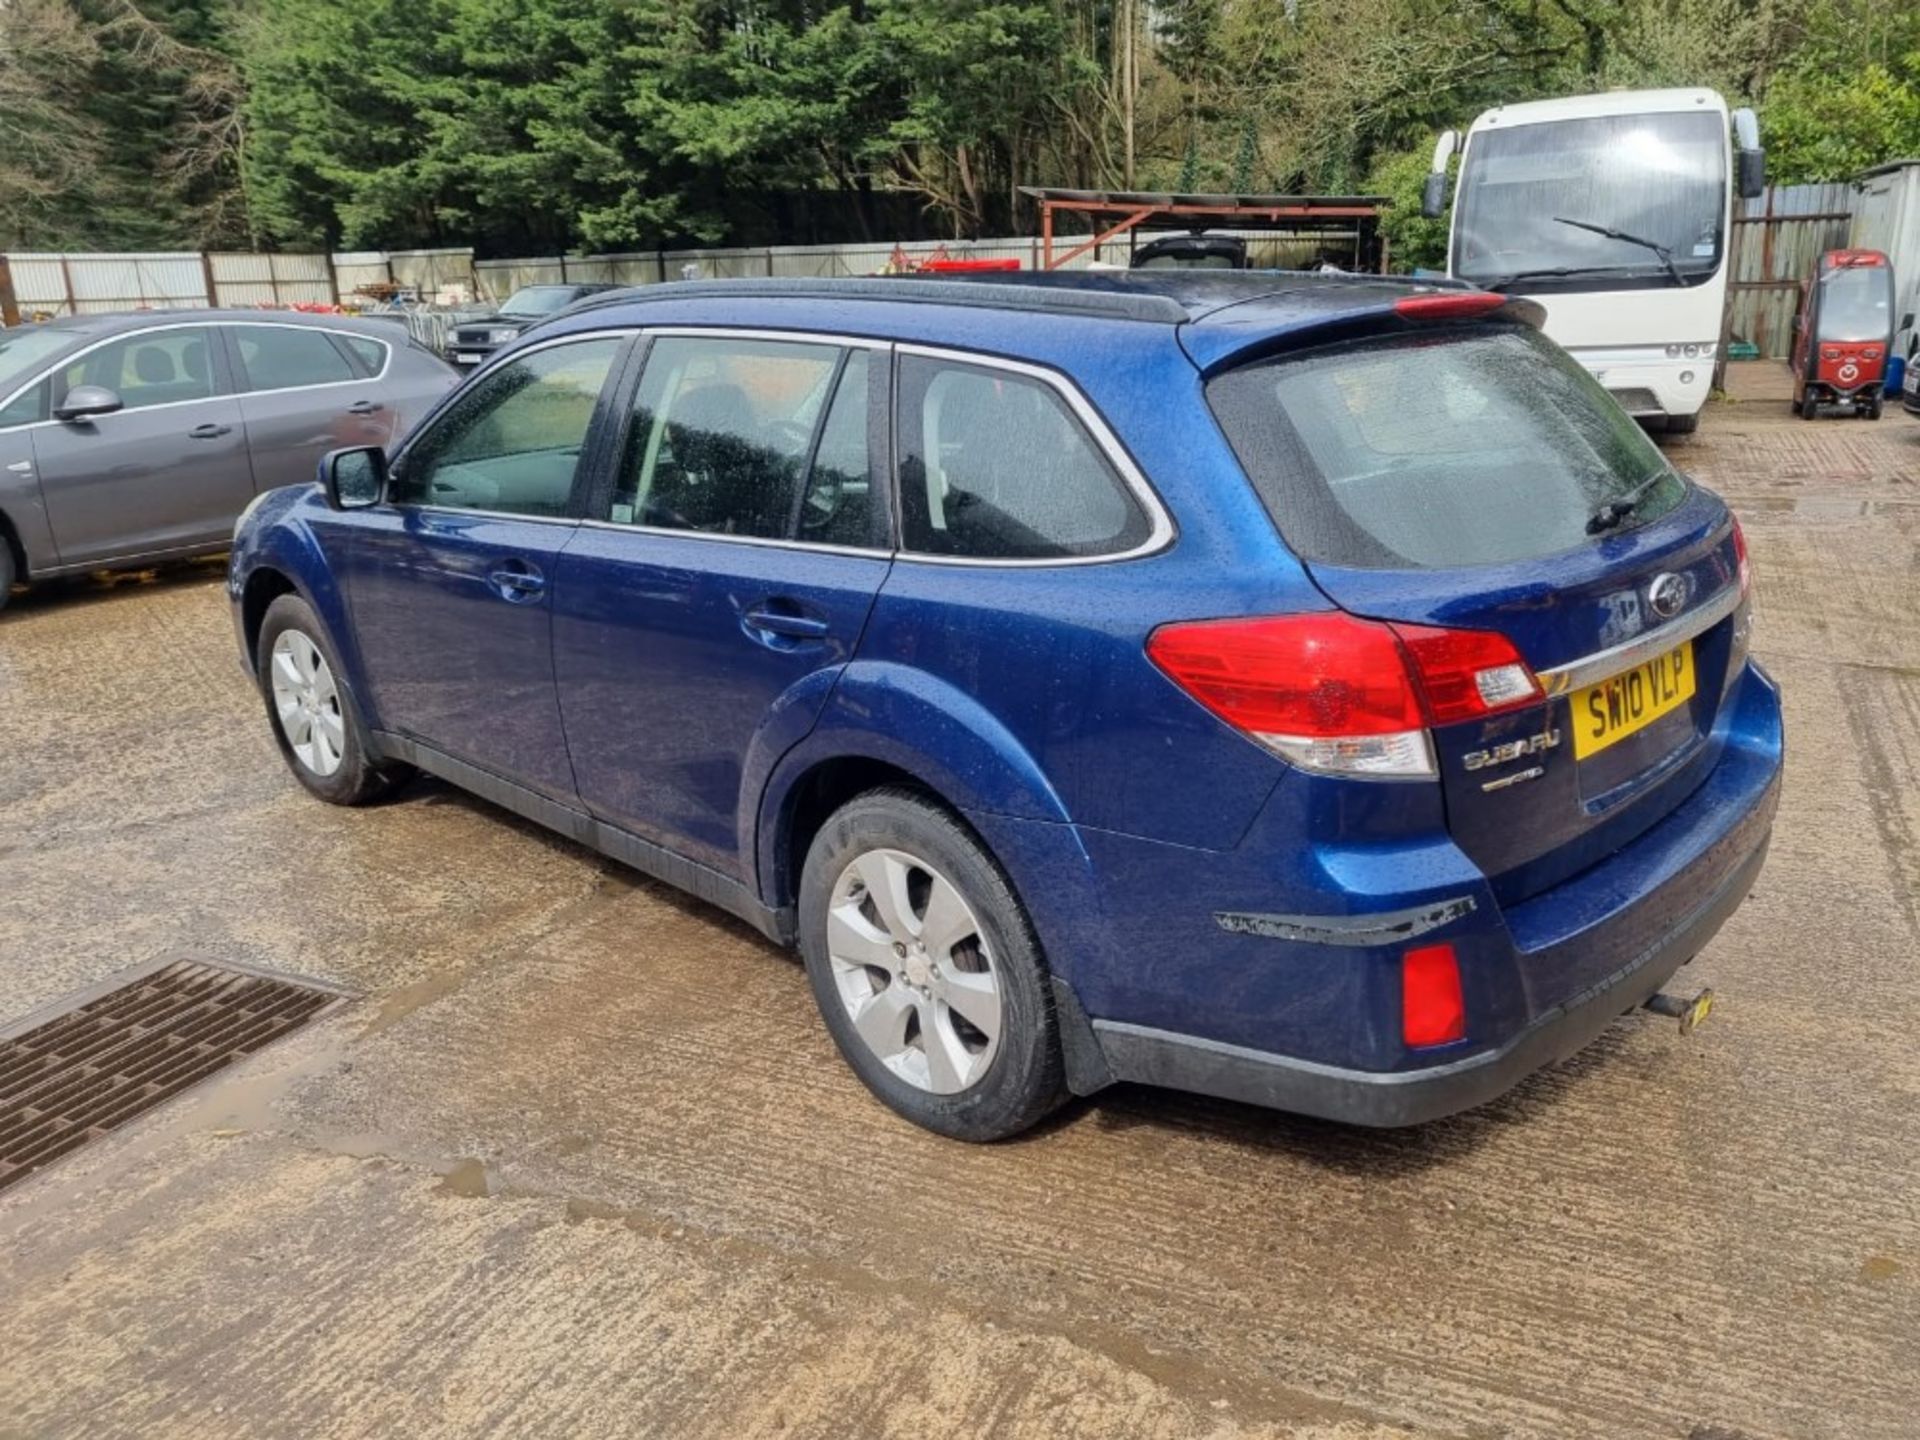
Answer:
(1906, 321)
(83, 402)
(1433, 194)
(354, 479)
(1751, 167)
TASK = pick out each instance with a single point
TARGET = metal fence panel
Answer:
(277, 279)
(438, 275)
(66, 284)
(1777, 241)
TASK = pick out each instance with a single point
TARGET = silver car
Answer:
(131, 438)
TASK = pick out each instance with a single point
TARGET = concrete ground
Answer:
(581, 1161)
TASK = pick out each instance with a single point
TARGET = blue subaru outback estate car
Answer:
(1307, 690)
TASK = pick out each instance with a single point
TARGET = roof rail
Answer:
(1002, 293)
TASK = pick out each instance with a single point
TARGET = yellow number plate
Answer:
(1630, 701)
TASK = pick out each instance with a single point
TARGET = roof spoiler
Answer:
(1425, 308)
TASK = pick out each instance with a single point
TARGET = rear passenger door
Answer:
(721, 579)
(303, 391)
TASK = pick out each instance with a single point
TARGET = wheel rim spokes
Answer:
(306, 699)
(913, 969)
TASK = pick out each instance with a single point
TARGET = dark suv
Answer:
(1309, 690)
(473, 340)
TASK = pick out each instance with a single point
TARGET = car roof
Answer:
(113, 323)
(1216, 316)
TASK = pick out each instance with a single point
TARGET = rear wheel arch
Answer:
(811, 799)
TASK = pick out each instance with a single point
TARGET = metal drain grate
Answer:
(72, 1078)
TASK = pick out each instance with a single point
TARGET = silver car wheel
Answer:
(307, 702)
(912, 966)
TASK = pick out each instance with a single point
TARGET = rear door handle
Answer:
(365, 407)
(780, 622)
(209, 431)
(518, 583)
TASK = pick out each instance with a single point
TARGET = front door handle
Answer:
(365, 407)
(782, 622)
(209, 431)
(517, 583)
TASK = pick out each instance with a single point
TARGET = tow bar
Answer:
(1691, 1014)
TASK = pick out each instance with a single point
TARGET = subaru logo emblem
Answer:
(1667, 594)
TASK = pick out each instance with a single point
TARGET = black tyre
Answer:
(312, 714)
(1876, 407)
(927, 971)
(1809, 408)
(1683, 424)
(6, 572)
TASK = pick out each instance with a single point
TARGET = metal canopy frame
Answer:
(1137, 209)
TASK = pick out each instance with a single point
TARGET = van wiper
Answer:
(1556, 272)
(1666, 255)
(1613, 514)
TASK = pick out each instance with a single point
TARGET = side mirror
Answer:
(1906, 321)
(83, 402)
(1433, 194)
(354, 479)
(1751, 168)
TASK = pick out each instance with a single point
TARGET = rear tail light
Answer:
(1335, 693)
(1432, 1011)
(1744, 570)
(1447, 305)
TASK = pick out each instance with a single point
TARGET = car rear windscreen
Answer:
(1476, 446)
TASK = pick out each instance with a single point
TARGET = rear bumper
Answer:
(1411, 1097)
(1647, 387)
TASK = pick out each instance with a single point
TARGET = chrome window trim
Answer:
(1604, 664)
(1160, 530)
(772, 542)
(189, 324)
(582, 337)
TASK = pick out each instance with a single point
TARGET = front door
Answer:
(698, 633)
(450, 579)
(168, 472)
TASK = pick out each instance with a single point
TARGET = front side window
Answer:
(1535, 198)
(275, 357)
(161, 367)
(26, 407)
(995, 466)
(721, 436)
(1471, 447)
(512, 442)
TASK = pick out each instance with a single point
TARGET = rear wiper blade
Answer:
(1666, 255)
(1615, 512)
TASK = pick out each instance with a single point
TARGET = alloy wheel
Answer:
(913, 968)
(307, 701)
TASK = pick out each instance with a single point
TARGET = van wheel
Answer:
(926, 970)
(1809, 408)
(312, 713)
(1875, 407)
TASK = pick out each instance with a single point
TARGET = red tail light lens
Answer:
(1740, 559)
(1467, 673)
(1432, 1011)
(1336, 693)
(1447, 305)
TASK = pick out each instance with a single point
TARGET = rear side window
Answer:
(995, 466)
(722, 432)
(371, 354)
(1474, 447)
(281, 358)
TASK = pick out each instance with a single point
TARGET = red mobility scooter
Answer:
(1844, 334)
